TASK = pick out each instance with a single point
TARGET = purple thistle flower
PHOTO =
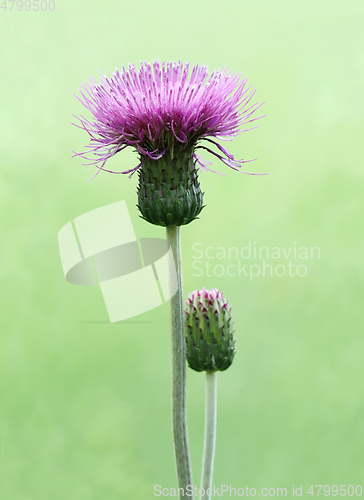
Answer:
(165, 115)
(150, 110)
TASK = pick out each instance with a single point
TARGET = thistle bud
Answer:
(169, 192)
(210, 345)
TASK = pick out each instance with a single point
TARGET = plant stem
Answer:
(179, 415)
(210, 433)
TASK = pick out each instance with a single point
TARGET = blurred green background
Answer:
(85, 405)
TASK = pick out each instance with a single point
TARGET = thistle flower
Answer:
(166, 116)
(209, 334)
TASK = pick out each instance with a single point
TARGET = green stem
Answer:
(210, 433)
(179, 415)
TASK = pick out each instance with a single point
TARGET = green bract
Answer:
(209, 331)
(169, 192)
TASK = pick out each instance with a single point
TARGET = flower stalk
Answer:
(179, 414)
(210, 434)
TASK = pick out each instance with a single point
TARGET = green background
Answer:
(85, 405)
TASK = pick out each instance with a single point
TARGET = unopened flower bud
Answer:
(210, 345)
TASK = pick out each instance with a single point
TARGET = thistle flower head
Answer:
(210, 343)
(166, 115)
(155, 109)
